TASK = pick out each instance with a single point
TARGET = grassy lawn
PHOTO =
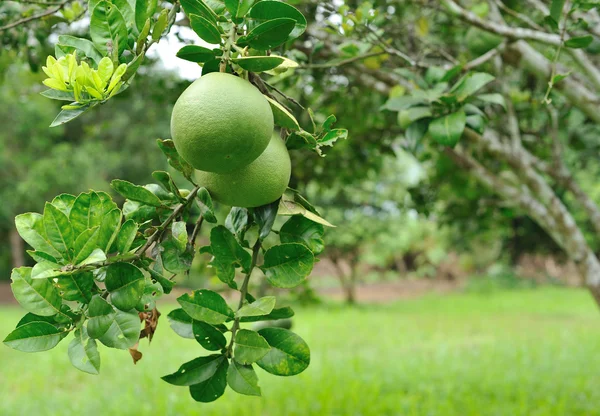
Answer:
(531, 352)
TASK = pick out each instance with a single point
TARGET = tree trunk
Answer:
(16, 249)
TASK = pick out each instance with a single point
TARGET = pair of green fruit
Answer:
(223, 126)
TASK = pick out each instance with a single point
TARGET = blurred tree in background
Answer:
(368, 62)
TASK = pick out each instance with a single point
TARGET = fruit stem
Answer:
(227, 49)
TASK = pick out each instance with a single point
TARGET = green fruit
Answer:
(259, 183)
(221, 123)
(479, 41)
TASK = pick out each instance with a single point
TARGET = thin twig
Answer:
(243, 293)
(343, 62)
(492, 53)
(196, 230)
(35, 16)
(161, 228)
(287, 97)
(518, 15)
(43, 3)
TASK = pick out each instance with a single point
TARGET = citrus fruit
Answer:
(479, 41)
(259, 183)
(221, 123)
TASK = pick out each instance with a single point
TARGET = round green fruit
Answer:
(221, 123)
(259, 183)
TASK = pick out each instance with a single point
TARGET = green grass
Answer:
(513, 353)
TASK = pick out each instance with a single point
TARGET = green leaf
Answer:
(470, 84)
(403, 103)
(206, 205)
(200, 8)
(125, 282)
(144, 9)
(232, 6)
(206, 305)
(109, 229)
(101, 316)
(126, 236)
(493, 99)
(244, 7)
(287, 265)
(68, 115)
(166, 284)
(579, 42)
(208, 336)
(87, 212)
(38, 296)
(259, 307)
(166, 181)
(64, 202)
(181, 323)
(217, 5)
(83, 45)
(269, 34)
(108, 28)
(228, 254)
(476, 122)
(333, 136)
(96, 256)
(207, 30)
(236, 221)
(448, 130)
(126, 8)
(268, 10)
(289, 206)
(278, 313)
(258, 63)
(59, 95)
(135, 192)
(168, 148)
(289, 354)
(212, 388)
(556, 9)
(152, 291)
(76, 287)
(179, 233)
(31, 317)
(196, 371)
(175, 260)
(250, 346)
(123, 332)
(298, 229)
(412, 114)
(59, 230)
(30, 227)
(85, 244)
(46, 269)
(40, 256)
(243, 379)
(195, 53)
(282, 117)
(83, 352)
(264, 217)
(33, 337)
(559, 77)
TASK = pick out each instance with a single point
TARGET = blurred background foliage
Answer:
(403, 209)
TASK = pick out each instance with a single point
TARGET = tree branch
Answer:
(243, 293)
(501, 29)
(35, 16)
(343, 62)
